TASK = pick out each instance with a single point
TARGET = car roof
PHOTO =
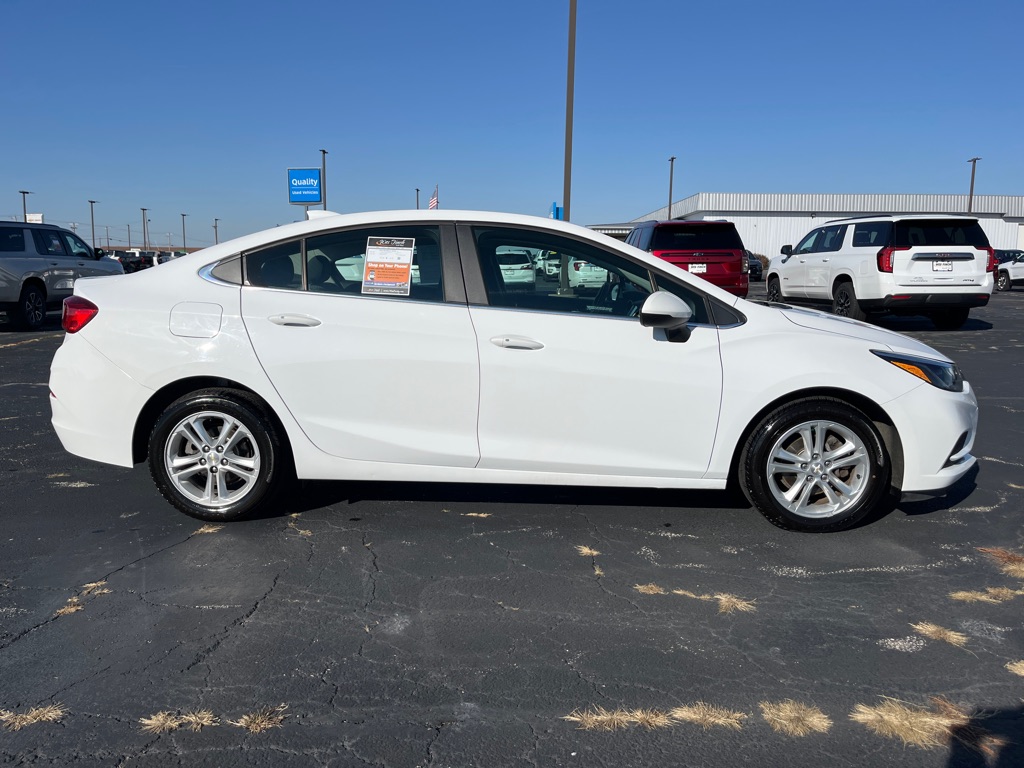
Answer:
(903, 217)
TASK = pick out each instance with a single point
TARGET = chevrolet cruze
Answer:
(233, 370)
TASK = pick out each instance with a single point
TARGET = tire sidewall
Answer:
(754, 463)
(773, 284)
(255, 420)
(26, 307)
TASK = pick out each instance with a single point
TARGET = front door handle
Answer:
(516, 342)
(294, 321)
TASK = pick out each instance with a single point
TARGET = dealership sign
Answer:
(304, 186)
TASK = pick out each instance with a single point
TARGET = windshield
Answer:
(939, 232)
(705, 237)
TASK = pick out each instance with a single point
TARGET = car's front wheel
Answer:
(815, 465)
(1003, 282)
(216, 455)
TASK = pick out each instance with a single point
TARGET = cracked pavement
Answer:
(401, 628)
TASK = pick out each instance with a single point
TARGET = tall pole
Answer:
(417, 198)
(108, 235)
(970, 198)
(671, 175)
(216, 238)
(129, 237)
(24, 205)
(323, 177)
(570, 83)
(183, 247)
(145, 230)
(92, 221)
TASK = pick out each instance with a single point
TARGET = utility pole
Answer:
(671, 174)
(183, 246)
(145, 230)
(92, 221)
(215, 236)
(129, 237)
(417, 198)
(570, 83)
(970, 197)
(108, 235)
(323, 177)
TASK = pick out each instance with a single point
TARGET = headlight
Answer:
(936, 372)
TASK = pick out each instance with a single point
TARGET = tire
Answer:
(950, 319)
(31, 311)
(1003, 282)
(224, 423)
(845, 304)
(820, 494)
(773, 290)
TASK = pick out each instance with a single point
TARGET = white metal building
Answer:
(766, 222)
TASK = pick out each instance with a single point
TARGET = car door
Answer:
(822, 264)
(370, 371)
(85, 265)
(623, 399)
(793, 272)
(57, 265)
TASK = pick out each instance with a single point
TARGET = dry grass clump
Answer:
(928, 729)
(208, 528)
(93, 587)
(73, 606)
(476, 514)
(198, 719)
(262, 719)
(795, 719)
(935, 632)
(726, 603)
(586, 551)
(14, 721)
(649, 589)
(161, 722)
(707, 715)
(649, 718)
(1017, 667)
(1010, 563)
(598, 570)
(990, 595)
(599, 719)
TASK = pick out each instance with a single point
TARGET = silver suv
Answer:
(939, 266)
(39, 264)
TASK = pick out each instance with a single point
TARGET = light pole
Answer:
(417, 198)
(92, 222)
(970, 198)
(671, 175)
(323, 177)
(24, 205)
(145, 230)
(129, 237)
(183, 247)
(215, 235)
(570, 82)
(108, 235)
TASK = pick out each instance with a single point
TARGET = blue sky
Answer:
(200, 107)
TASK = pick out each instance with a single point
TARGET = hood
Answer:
(844, 326)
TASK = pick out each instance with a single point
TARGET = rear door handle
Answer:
(294, 321)
(516, 342)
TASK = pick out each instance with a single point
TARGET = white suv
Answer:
(938, 266)
(1010, 270)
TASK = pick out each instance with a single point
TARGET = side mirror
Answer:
(787, 250)
(99, 253)
(667, 311)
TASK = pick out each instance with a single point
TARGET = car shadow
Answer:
(904, 323)
(957, 493)
(315, 494)
(50, 324)
(990, 739)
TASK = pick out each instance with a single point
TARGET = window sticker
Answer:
(388, 266)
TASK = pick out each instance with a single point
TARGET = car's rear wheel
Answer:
(31, 312)
(950, 319)
(1003, 282)
(815, 465)
(216, 455)
(774, 292)
(845, 304)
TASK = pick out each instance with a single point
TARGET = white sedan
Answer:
(222, 370)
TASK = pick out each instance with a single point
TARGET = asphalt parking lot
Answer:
(420, 625)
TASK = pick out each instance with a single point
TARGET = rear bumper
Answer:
(930, 301)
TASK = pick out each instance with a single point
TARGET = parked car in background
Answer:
(756, 267)
(39, 264)
(517, 269)
(1010, 272)
(711, 250)
(586, 277)
(222, 371)
(937, 266)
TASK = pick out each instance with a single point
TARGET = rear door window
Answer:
(12, 239)
(832, 238)
(49, 242)
(873, 234)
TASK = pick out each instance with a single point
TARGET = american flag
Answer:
(433, 200)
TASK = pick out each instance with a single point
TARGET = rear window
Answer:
(12, 240)
(513, 259)
(939, 232)
(706, 237)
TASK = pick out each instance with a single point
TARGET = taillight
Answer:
(577, 264)
(885, 257)
(77, 313)
(745, 268)
(992, 263)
